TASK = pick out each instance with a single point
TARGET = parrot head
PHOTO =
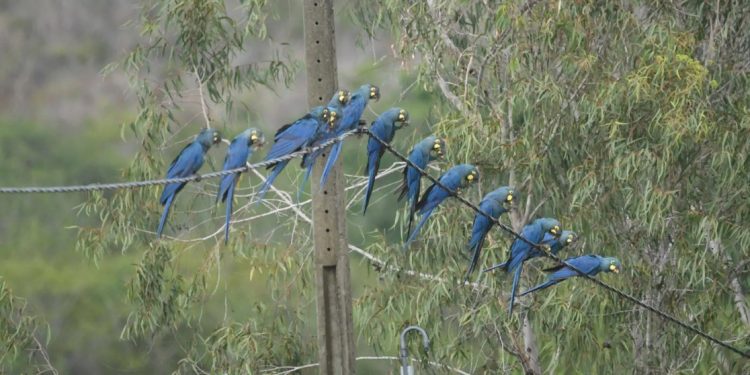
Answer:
(342, 97)
(255, 137)
(550, 225)
(374, 93)
(368, 91)
(610, 264)
(568, 237)
(323, 114)
(394, 116)
(472, 176)
(403, 117)
(333, 119)
(506, 195)
(208, 137)
(438, 148)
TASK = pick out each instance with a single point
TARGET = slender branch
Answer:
(204, 107)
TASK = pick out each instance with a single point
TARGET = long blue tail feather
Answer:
(419, 226)
(332, 156)
(164, 215)
(229, 200)
(516, 278)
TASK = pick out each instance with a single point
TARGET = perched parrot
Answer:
(588, 264)
(555, 245)
(294, 137)
(521, 250)
(384, 127)
(335, 107)
(455, 179)
(350, 116)
(494, 204)
(423, 152)
(186, 164)
(239, 151)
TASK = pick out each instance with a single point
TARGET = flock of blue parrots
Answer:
(342, 114)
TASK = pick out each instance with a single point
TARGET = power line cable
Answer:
(164, 181)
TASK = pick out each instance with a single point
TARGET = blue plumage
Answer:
(384, 127)
(494, 204)
(187, 163)
(520, 250)
(238, 152)
(423, 152)
(336, 109)
(456, 178)
(294, 137)
(351, 114)
(555, 245)
(591, 265)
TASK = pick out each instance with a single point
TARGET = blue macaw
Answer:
(336, 108)
(238, 152)
(455, 179)
(384, 127)
(553, 243)
(423, 152)
(521, 250)
(494, 204)
(351, 114)
(294, 137)
(186, 164)
(591, 265)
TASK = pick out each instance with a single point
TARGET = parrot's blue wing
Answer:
(293, 137)
(385, 131)
(430, 200)
(520, 250)
(587, 264)
(479, 230)
(237, 156)
(412, 185)
(289, 138)
(374, 153)
(187, 163)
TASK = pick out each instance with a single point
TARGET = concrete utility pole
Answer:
(332, 275)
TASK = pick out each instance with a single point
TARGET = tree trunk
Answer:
(530, 352)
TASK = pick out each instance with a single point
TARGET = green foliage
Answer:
(611, 119)
(17, 328)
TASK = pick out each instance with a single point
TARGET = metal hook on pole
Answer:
(406, 368)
